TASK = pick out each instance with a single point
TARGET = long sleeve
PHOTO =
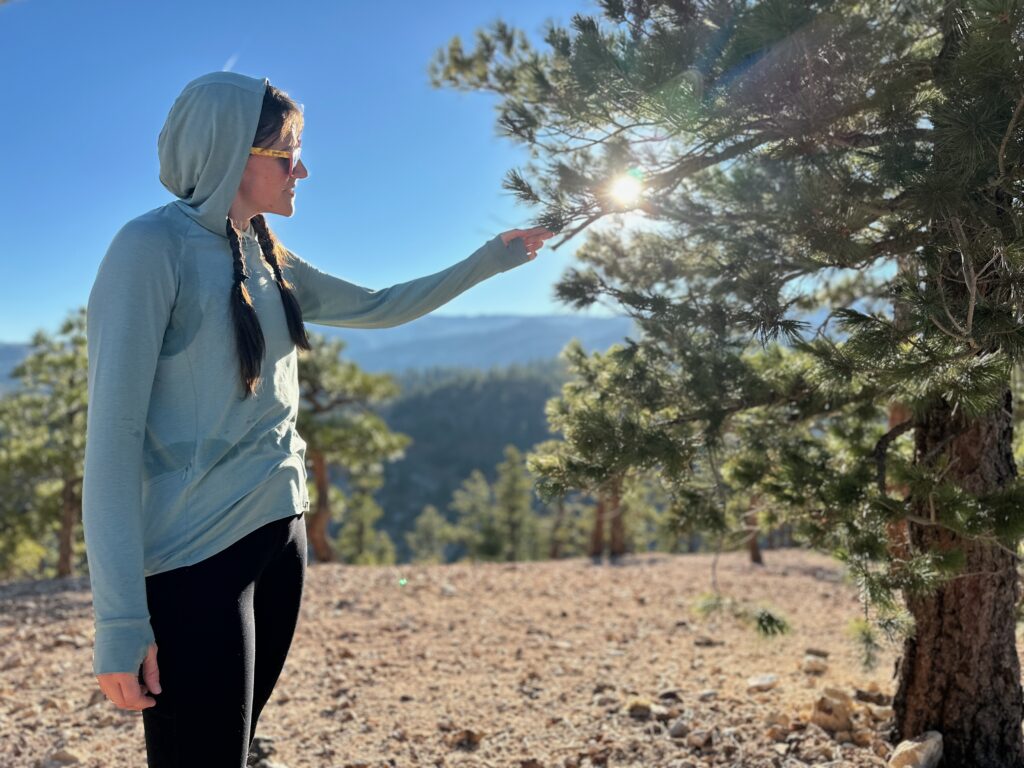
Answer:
(128, 312)
(329, 300)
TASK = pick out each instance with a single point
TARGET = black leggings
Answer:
(223, 628)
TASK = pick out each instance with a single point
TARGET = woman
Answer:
(195, 484)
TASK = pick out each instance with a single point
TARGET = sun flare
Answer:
(627, 188)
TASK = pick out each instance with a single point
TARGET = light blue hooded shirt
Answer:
(178, 465)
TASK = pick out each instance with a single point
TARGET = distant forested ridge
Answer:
(459, 420)
(482, 342)
(437, 341)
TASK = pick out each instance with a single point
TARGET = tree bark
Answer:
(754, 548)
(316, 528)
(617, 545)
(556, 528)
(897, 533)
(71, 513)
(597, 534)
(753, 545)
(959, 673)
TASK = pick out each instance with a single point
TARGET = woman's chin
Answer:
(285, 209)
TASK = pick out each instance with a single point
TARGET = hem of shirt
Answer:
(259, 523)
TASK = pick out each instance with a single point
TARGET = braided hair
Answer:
(278, 115)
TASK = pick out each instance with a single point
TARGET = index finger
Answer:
(131, 694)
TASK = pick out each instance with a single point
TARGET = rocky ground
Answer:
(559, 664)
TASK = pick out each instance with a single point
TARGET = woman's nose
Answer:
(300, 170)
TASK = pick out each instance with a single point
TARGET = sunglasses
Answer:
(291, 155)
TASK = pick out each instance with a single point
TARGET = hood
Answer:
(204, 144)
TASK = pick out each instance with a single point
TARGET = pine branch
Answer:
(882, 448)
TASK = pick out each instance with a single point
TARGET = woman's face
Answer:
(266, 186)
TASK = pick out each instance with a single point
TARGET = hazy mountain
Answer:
(445, 342)
(475, 342)
(10, 356)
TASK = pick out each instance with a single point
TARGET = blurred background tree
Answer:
(42, 453)
(341, 429)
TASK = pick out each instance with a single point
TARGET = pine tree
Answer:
(476, 527)
(649, 524)
(359, 540)
(513, 506)
(430, 533)
(340, 426)
(42, 446)
(565, 525)
(793, 158)
(604, 439)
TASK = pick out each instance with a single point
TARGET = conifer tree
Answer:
(476, 526)
(513, 502)
(565, 525)
(605, 439)
(430, 533)
(797, 157)
(340, 426)
(359, 540)
(42, 444)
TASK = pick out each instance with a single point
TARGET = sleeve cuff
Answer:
(508, 256)
(121, 646)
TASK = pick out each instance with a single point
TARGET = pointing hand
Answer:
(534, 238)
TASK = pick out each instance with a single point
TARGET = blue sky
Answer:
(404, 180)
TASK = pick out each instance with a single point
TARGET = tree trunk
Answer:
(316, 528)
(70, 514)
(754, 548)
(959, 673)
(512, 546)
(597, 534)
(753, 545)
(617, 545)
(896, 531)
(556, 528)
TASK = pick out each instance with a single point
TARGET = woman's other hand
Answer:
(124, 690)
(534, 238)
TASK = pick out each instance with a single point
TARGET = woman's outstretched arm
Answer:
(329, 300)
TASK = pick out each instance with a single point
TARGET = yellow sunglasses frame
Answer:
(279, 153)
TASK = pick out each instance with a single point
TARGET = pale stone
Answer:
(831, 713)
(924, 751)
(760, 683)
(814, 665)
(863, 737)
(880, 713)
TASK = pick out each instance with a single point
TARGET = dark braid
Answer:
(292, 310)
(279, 116)
(248, 333)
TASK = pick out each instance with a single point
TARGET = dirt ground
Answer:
(537, 665)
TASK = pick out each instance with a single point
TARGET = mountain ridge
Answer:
(443, 341)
